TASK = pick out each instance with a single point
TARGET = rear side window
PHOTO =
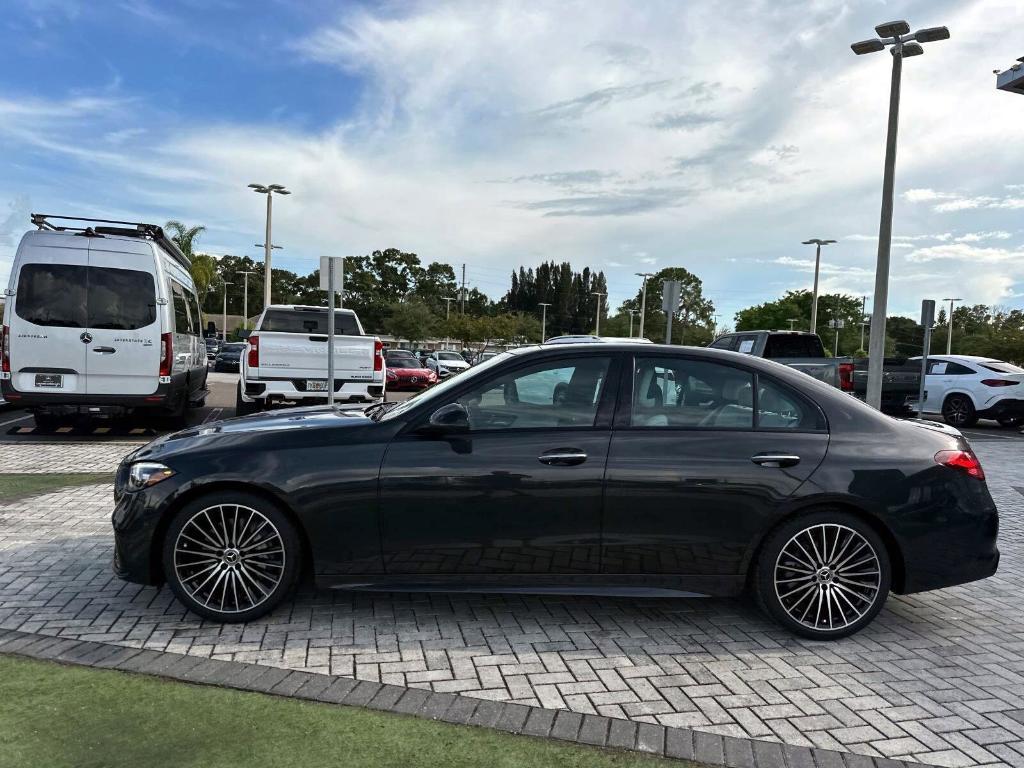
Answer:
(285, 321)
(726, 342)
(1001, 367)
(783, 346)
(778, 407)
(182, 321)
(121, 299)
(76, 296)
(53, 295)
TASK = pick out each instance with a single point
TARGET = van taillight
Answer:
(378, 355)
(5, 354)
(965, 461)
(166, 353)
(254, 352)
(846, 377)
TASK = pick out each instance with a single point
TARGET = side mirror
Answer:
(449, 419)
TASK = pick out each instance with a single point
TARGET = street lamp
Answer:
(903, 43)
(791, 321)
(447, 315)
(643, 298)
(949, 329)
(245, 299)
(224, 317)
(1012, 78)
(543, 320)
(632, 314)
(269, 190)
(597, 325)
(818, 242)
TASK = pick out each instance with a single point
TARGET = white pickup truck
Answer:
(285, 359)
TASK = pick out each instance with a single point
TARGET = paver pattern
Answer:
(68, 457)
(938, 678)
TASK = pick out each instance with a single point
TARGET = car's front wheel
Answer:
(823, 575)
(231, 556)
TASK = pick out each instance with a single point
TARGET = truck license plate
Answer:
(316, 385)
(49, 380)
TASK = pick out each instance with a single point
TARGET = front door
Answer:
(520, 492)
(690, 480)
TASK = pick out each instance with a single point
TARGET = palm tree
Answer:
(204, 267)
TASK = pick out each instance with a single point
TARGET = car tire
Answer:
(958, 411)
(826, 594)
(1010, 422)
(47, 422)
(231, 556)
(242, 408)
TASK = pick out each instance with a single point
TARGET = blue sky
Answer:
(626, 136)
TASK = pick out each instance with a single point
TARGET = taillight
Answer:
(5, 350)
(965, 461)
(166, 353)
(378, 355)
(846, 377)
(999, 383)
(253, 359)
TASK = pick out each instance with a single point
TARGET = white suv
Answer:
(445, 363)
(965, 388)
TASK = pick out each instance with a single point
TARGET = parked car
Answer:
(445, 363)
(229, 358)
(482, 357)
(671, 469)
(101, 318)
(285, 359)
(406, 372)
(965, 388)
(804, 351)
(212, 348)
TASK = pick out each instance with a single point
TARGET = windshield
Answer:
(439, 390)
(402, 361)
(1000, 367)
(449, 356)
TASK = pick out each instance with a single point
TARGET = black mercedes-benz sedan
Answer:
(598, 468)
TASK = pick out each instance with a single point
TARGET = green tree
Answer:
(203, 266)
(410, 320)
(796, 305)
(693, 320)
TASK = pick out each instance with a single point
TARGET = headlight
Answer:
(392, 376)
(146, 473)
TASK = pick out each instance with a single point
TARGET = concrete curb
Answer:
(590, 730)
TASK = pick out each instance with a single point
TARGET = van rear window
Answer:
(305, 321)
(76, 296)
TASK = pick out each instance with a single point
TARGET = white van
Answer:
(101, 317)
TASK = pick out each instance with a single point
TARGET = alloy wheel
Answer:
(957, 411)
(229, 558)
(827, 577)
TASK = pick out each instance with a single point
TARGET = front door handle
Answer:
(564, 457)
(104, 350)
(775, 459)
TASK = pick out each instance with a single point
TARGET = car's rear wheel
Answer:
(231, 556)
(958, 411)
(824, 575)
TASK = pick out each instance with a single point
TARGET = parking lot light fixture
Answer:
(949, 325)
(543, 320)
(245, 297)
(896, 36)
(224, 317)
(632, 314)
(818, 242)
(269, 190)
(597, 324)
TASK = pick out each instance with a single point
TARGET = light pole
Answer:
(447, 315)
(245, 298)
(643, 298)
(818, 242)
(543, 320)
(224, 317)
(632, 314)
(949, 326)
(863, 319)
(269, 190)
(791, 321)
(904, 43)
(597, 324)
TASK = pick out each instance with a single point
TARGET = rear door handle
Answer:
(775, 459)
(564, 457)
(104, 350)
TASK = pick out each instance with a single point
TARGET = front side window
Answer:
(553, 394)
(53, 295)
(682, 393)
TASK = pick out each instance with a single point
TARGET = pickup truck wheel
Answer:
(243, 408)
(958, 411)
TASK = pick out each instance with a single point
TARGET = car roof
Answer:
(963, 358)
(309, 307)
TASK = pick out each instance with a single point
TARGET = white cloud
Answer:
(963, 251)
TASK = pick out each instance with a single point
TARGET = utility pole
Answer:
(643, 298)
(269, 190)
(543, 320)
(835, 351)
(949, 326)
(224, 317)
(863, 316)
(245, 299)
(632, 314)
(447, 316)
(904, 43)
(597, 324)
(816, 241)
(463, 292)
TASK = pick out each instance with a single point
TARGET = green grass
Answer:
(16, 486)
(53, 715)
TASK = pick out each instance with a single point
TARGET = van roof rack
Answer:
(153, 232)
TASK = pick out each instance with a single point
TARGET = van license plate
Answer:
(315, 385)
(49, 380)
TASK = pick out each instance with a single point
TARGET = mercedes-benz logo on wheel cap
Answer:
(86, 337)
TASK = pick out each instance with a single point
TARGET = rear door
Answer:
(48, 324)
(124, 349)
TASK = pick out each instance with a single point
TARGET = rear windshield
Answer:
(793, 346)
(1000, 367)
(77, 296)
(308, 321)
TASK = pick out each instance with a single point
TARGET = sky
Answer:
(625, 136)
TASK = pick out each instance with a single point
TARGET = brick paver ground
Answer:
(938, 678)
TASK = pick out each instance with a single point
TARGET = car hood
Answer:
(205, 435)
